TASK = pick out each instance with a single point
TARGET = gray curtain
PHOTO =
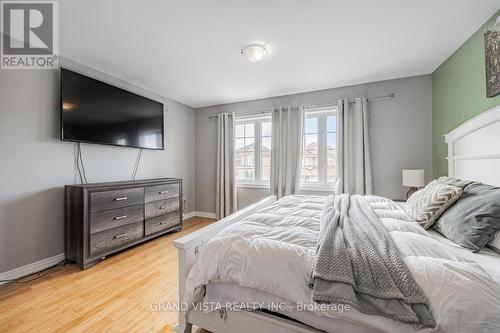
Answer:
(286, 150)
(226, 184)
(353, 147)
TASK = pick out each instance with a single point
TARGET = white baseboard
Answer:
(34, 267)
(199, 214)
(205, 214)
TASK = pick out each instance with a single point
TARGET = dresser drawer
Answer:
(161, 207)
(160, 192)
(104, 241)
(109, 219)
(105, 200)
(162, 222)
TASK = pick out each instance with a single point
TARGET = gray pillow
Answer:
(474, 219)
(454, 181)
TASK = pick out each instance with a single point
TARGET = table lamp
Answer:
(413, 178)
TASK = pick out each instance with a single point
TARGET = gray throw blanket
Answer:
(358, 263)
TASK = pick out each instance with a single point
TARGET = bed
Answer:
(277, 270)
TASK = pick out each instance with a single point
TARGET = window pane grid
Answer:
(265, 150)
(253, 150)
(245, 151)
(331, 146)
(319, 148)
(310, 150)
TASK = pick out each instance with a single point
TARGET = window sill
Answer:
(253, 185)
(317, 187)
(305, 187)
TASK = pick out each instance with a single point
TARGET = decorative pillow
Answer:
(455, 181)
(495, 243)
(427, 205)
(475, 219)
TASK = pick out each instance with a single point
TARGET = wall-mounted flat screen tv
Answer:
(96, 112)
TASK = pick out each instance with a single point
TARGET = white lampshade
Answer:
(413, 178)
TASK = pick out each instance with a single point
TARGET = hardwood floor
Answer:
(116, 295)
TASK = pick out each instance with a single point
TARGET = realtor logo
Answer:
(29, 35)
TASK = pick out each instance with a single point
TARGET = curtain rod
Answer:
(214, 116)
(352, 100)
(390, 95)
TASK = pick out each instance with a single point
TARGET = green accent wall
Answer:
(459, 93)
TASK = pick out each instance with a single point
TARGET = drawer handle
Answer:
(121, 198)
(162, 207)
(164, 222)
(163, 192)
(120, 236)
(120, 217)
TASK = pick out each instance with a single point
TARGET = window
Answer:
(253, 150)
(319, 147)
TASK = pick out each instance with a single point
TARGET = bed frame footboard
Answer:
(189, 247)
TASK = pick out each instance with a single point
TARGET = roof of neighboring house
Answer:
(251, 147)
(314, 145)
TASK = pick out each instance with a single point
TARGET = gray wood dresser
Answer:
(104, 218)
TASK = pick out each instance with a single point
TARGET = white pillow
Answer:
(495, 243)
(428, 204)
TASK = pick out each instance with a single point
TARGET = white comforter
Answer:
(273, 251)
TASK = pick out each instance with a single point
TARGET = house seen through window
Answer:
(253, 149)
(319, 147)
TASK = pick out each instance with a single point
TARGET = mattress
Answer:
(224, 293)
(267, 258)
(230, 293)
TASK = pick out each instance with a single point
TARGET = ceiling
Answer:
(189, 50)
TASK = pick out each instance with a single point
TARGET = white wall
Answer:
(35, 165)
(400, 128)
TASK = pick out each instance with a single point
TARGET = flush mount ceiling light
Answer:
(254, 52)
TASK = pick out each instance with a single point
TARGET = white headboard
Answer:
(474, 149)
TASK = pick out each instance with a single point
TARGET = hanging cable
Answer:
(136, 165)
(81, 166)
(77, 162)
